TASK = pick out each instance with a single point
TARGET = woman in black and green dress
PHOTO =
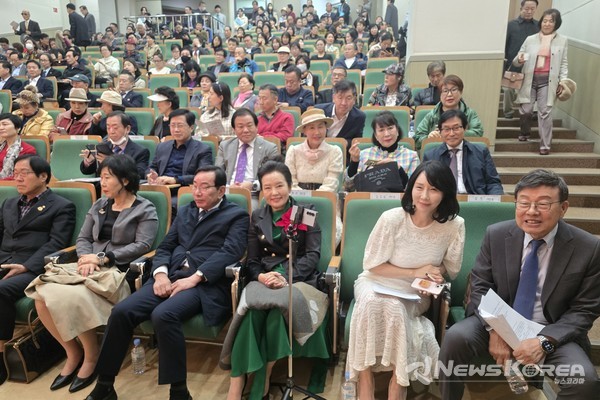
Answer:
(262, 336)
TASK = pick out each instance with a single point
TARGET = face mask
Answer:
(301, 67)
(185, 59)
(118, 142)
(29, 46)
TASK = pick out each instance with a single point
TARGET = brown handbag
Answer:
(512, 80)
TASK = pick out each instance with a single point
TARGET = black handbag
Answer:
(381, 178)
(32, 354)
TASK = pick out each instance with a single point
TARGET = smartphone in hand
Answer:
(428, 286)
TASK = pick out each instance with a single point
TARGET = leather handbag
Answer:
(512, 80)
(380, 178)
(31, 354)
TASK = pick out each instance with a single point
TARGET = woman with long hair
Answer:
(219, 109)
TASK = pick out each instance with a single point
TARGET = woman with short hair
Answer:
(246, 97)
(11, 145)
(166, 101)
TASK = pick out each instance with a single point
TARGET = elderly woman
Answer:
(422, 239)
(166, 101)
(110, 101)
(543, 57)
(107, 68)
(77, 120)
(36, 120)
(450, 99)
(200, 100)
(386, 137)
(72, 300)
(393, 92)
(246, 97)
(431, 94)
(219, 110)
(262, 336)
(11, 145)
(315, 164)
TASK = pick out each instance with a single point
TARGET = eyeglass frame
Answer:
(520, 204)
(454, 129)
(202, 189)
(454, 90)
(22, 174)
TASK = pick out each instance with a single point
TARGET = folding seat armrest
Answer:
(62, 256)
(332, 275)
(233, 271)
(438, 312)
(141, 265)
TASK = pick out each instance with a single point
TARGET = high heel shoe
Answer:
(81, 383)
(63, 380)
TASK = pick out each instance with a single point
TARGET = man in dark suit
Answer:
(249, 47)
(79, 28)
(348, 120)
(44, 86)
(130, 98)
(548, 271)
(245, 125)
(7, 81)
(118, 126)
(293, 94)
(178, 160)
(326, 95)
(28, 26)
(220, 65)
(188, 277)
(349, 60)
(33, 225)
(473, 167)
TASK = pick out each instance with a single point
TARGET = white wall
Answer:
(46, 12)
(580, 20)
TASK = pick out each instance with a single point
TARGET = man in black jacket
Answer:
(79, 28)
(7, 81)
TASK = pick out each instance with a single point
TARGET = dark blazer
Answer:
(52, 72)
(478, 169)
(34, 27)
(357, 64)
(79, 30)
(264, 253)
(196, 155)
(14, 85)
(324, 96)
(140, 155)
(224, 68)
(570, 295)
(46, 228)
(44, 86)
(354, 126)
(132, 99)
(210, 245)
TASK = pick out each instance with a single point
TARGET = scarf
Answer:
(312, 155)
(9, 160)
(241, 99)
(544, 49)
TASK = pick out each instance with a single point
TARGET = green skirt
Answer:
(263, 337)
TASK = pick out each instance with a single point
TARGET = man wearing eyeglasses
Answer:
(547, 271)
(188, 278)
(36, 223)
(471, 163)
(27, 26)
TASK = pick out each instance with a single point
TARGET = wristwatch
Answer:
(101, 257)
(546, 344)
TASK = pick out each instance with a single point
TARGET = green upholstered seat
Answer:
(65, 159)
(6, 100)
(170, 80)
(145, 119)
(230, 78)
(41, 144)
(403, 117)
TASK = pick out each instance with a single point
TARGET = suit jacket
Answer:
(224, 68)
(570, 294)
(324, 96)
(196, 155)
(132, 99)
(52, 72)
(133, 231)
(79, 29)
(90, 21)
(478, 169)
(357, 64)
(46, 228)
(228, 151)
(14, 85)
(44, 87)
(140, 155)
(354, 126)
(210, 245)
(34, 27)
(264, 253)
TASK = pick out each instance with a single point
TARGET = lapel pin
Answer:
(101, 211)
(41, 208)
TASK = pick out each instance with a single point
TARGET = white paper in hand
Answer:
(377, 288)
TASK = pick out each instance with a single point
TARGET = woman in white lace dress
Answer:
(422, 239)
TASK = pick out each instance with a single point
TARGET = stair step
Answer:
(579, 195)
(510, 132)
(558, 145)
(554, 160)
(573, 176)
(585, 218)
(502, 122)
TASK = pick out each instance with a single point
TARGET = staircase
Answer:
(571, 158)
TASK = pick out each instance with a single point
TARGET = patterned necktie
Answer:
(453, 166)
(201, 215)
(116, 149)
(526, 291)
(242, 162)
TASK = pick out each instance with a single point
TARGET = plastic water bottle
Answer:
(411, 129)
(516, 380)
(348, 388)
(138, 357)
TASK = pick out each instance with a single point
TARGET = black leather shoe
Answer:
(81, 383)
(63, 380)
(3, 375)
(111, 395)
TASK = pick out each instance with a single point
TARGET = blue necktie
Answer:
(525, 298)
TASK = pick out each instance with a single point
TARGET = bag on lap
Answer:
(381, 178)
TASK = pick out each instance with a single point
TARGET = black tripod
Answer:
(292, 234)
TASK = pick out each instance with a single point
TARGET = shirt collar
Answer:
(333, 114)
(549, 238)
(251, 144)
(459, 147)
(212, 208)
(23, 199)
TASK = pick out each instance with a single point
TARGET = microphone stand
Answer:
(292, 234)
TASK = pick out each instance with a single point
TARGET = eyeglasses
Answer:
(454, 129)
(177, 126)
(538, 205)
(22, 173)
(454, 90)
(203, 188)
